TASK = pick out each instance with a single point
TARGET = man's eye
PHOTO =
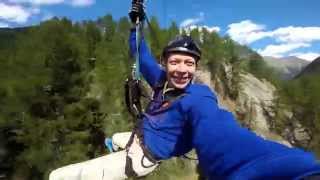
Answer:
(190, 63)
(173, 62)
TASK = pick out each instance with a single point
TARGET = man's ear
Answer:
(163, 62)
(163, 66)
(197, 64)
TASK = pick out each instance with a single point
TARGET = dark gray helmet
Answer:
(183, 44)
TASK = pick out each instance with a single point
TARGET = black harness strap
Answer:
(129, 168)
(133, 89)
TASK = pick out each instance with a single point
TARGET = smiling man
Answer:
(184, 115)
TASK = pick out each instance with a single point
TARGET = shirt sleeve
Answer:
(221, 143)
(225, 149)
(149, 67)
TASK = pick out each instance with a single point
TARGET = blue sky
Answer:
(273, 28)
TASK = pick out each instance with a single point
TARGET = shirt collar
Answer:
(166, 88)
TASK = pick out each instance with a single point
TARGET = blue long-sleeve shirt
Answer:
(225, 150)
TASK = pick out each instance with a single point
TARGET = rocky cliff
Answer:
(253, 106)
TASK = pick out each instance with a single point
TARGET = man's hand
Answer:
(137, 11)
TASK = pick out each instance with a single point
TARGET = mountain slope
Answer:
(312, 68)
(287, 67)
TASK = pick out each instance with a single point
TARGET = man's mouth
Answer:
(180, 80)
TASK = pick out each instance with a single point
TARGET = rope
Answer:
(138, 39)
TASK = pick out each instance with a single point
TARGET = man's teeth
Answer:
(184, 79)
(181, 78)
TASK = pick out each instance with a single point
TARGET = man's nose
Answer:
(182, 68)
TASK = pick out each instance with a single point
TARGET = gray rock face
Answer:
(296, 134)
(253, 106)
(255, 98)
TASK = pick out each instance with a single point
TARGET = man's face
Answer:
(180, 70)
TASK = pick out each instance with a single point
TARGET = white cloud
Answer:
(47, 17)
(14, 13)
(54, 2)
(19, 11)
(200, 28)
(297, 34)
(81, 3)
(3, 25)
(189, 22)
(192, 21)
(310, 56)
(35, 10)
(246, 32)
(288, 38)
(38, 2)
(281, 49)
(212, 28)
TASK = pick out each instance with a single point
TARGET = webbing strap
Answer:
(129, 168)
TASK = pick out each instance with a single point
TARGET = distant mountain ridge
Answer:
(287, 67)
(312, 69)
(8, 36)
